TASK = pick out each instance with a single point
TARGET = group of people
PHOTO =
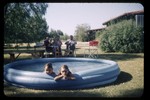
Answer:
(64, 72)
(54, 46)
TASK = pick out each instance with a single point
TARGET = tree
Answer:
(24, 22)
(55, 33)
(81, 32)
(64, 37)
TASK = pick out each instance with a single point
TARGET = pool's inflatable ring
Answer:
(88, 72)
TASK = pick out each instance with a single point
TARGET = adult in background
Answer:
(47, 44)
(57, 46)
(70, 46)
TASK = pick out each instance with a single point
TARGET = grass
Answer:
(130, 82)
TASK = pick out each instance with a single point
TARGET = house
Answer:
(91, 33)
(95, 30)
(138, 16)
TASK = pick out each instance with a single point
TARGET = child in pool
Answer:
(48, 69)
(64, 74)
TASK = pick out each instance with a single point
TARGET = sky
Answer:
(66, 16)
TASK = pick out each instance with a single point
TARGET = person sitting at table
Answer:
(70, 46)
(57, 47)
(47, 44)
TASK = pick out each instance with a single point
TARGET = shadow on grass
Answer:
(116, 57)
(138, 92)
(56, 93)
(109, 56)
(7, 60)
(122, 78)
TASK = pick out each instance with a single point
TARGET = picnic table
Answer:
(18, 52)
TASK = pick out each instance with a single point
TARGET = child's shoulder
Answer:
(53, 73)
(69, 73)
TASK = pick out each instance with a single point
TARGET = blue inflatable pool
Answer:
(88, 72)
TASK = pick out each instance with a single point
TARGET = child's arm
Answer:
(58, 77)
(72, 77)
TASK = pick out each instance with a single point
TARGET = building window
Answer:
(139, 20)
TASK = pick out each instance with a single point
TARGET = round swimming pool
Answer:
(88, 72)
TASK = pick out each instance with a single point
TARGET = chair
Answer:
(48, 51)
(70, 51)
(92, 50)
(57, 51)
(54, 51)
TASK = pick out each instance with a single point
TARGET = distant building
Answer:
(95, 30)
(91, 33)
(138, 16)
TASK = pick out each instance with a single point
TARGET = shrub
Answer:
(124, 36)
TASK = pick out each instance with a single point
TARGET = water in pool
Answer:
(73, 66)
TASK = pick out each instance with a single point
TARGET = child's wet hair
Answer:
(49, 65)
(64, 66)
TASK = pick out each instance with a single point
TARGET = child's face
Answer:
(64, 71)
(49, 70)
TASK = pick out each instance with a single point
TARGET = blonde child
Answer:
(64, 73)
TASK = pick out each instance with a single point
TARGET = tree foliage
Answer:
(65, 37)
(55, 33)
(123, 37)
(81, 32)
(24, 22)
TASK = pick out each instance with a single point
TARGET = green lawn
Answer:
(130, 82)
